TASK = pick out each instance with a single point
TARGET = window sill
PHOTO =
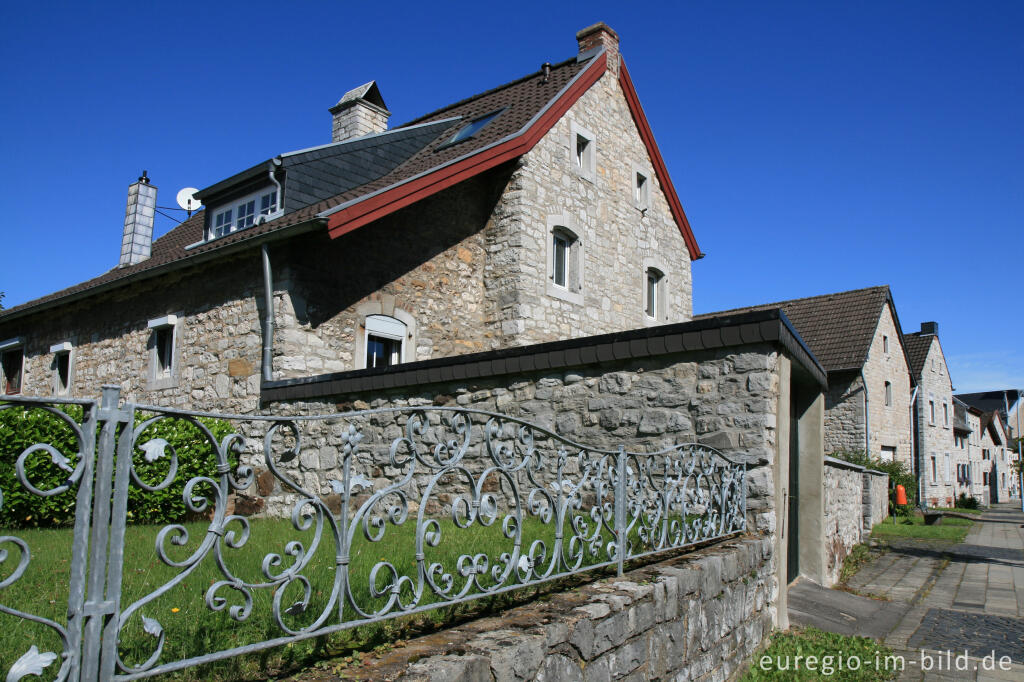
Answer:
(162, 383)
(564, 294)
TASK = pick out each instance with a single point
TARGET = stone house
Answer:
(1002, 407)
(994, 461)
(856, 335)
(933, 416)
(536, 211)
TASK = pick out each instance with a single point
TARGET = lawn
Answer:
(812, 654)
(193, 629)
(951, 528)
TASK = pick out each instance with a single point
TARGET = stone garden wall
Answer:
(855, 500)
(696, 617)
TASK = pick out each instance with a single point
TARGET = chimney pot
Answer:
(360, 111)
(139, 215)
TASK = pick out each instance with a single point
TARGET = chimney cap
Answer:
(599, 27)
(367, 92)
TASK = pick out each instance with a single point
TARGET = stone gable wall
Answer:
(616, 237)
(935, 437)
(889, 425)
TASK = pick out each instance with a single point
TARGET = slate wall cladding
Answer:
(727, 400)
(696, 617)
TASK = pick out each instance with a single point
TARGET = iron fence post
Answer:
(97, 610)
(620, 508)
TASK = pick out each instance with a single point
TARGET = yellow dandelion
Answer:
(175, 609)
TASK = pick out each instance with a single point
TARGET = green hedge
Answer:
(21, 428)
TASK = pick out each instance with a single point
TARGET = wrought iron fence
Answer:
(415, 508)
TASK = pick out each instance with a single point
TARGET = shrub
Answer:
(965, 502)
(899, 474)
(22, 428)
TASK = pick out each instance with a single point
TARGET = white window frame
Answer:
(385, 308)
(572, 290)
(9, 346)
(161, 377)
(232, 211)
(661, 294)
(583, 163)
(386, 327)
(641, 194)
(64, 348)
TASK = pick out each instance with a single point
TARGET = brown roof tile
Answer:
(838, 328)
(917, 350)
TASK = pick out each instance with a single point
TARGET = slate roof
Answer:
(990, 401)
(838, 328)
(917, 350)
(408, 154)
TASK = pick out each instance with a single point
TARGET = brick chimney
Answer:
(597, 36)
(930, 328)
(359, 112)
(138, 222)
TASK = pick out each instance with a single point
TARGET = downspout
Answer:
(268, 289)
(914, 451)
(268, 320)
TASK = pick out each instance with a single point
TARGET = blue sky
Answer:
(816, 147)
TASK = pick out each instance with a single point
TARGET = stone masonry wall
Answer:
(876, 498)
(727, 400)
(844, 414)
(844, 514)
(217, 341)
(617, 238)
(890, 425)
(696, 617)
(935, 435)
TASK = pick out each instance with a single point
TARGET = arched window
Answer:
(888, 394)
(653, 293)
(385, 341)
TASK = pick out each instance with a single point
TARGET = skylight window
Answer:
(473, 127)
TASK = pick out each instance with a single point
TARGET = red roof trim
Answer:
(660, 170)
(400, 196)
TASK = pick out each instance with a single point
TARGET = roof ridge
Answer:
(527, 77)
(799, 300)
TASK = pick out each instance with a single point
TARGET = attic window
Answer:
(473, 127)
(243, 213)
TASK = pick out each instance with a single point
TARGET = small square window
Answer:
(61, 367)
(12, 361)
(641, 191)
(385, 339)
(581, 150)
(163, 365)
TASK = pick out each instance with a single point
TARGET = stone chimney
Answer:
(138, 222)
(359, 112)
(930, 328)
(597, 36)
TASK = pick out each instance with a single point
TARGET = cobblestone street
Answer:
(955, 599)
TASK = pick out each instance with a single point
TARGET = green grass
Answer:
(858, 556)
(951, 528)
(193, 629)
(962, 510)
(787, 658)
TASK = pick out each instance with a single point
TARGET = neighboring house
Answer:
(934, 416)
(994, 462)
(1008, 405)
(536, 211)
(856, 337)
(965, 420)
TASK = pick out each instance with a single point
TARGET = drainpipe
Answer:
(914, 451)
(268, 320)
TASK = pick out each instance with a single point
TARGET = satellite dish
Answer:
(187, 199)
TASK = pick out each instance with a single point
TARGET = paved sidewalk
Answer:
(956, 598)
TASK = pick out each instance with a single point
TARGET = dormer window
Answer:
(243, 212)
